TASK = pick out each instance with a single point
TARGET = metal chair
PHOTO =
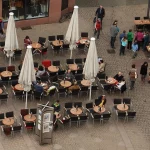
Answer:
(69, 61)
(56, 63)
(33, 111)
(42, 41)
(121, 115)
(131, 115)
(84, 34)
(105, 116)
(61, 91)
(60, 37)
(16, 128)
(83, 118)
(74, 119)
(84, 89)
(89, 106)
(136, 18)
(4, 97)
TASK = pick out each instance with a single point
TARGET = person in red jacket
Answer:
(97, 28)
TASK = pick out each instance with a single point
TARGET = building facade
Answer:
(34, 12)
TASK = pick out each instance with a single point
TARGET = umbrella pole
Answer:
(26, 100)
(71, 54)
(9, 61)
(90, 92)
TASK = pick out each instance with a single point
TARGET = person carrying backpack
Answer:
(97, 28)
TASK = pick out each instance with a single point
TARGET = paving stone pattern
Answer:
(134, 135)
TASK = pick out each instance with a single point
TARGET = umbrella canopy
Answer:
(72, 35)
(91, 67)
(11, 41)
(27, 74)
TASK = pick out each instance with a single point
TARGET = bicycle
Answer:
(65, 17)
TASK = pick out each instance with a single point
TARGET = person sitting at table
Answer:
(119, 77)
(102, 100)
(56, 106)
(40, 72)
(50, 89)
(69, 76)
(121, 86)
(102, 66)
(38, 87)
(27, 41)
(73, 87)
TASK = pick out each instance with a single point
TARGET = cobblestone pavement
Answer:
(134, 135)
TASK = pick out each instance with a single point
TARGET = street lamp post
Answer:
(148, 9)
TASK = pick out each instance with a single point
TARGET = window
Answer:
(25, 9)
(64, 4)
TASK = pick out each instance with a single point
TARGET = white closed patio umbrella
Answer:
(91, 67)
(27, 74)
(72, 35)
(11, 41)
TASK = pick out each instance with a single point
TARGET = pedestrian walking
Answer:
(130, 39)
(134, 49)
(146, 41)
(97, 28)
(100, 13)
(123, 45)
(132, 76)
(143, 71)
(122, 35)
(113, 33)
(139, 37)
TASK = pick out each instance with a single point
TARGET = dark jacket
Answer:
(118, 78)
(143, 70)
(100, 13)
(123, 88)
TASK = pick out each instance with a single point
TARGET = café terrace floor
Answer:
(134, 135)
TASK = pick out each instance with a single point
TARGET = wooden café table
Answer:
(142, 22)
(65, 83)
(121, 107)
(57, 43)
(97, 109)
(1, 91)
(84, 41)
(6, 74)
(73, 67)
(36, 45)
(19, 87)
(86, 82)
(8, 121)
(76, 111)
(30, 117)
(53, 68)
(111, 80)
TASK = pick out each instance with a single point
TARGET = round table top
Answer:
(57, 43)
(65, 84)
(96, 109)
(86, 82)
(73, 66)
(30, 118)
(36, 45)
(58, 115)
(122, 108)
(19, 87)
(6, 74)
(8, 121)
(111, 80)
(44, 85)
(84, 41)
(1, 91)
(76, 111)
(53, 68)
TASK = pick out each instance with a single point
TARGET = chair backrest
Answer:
(78, 60)
(65, 46)
(15, 77)
(127, 101)
(145, 18)
(81, 46)
(52, 74)
(60, 37)
(56, 47)
(3, 96)
(51, 38)
(131, 114)
(44, 78)
(24, 112)
(68, 105)
(19, 93)
(117, 101)
(36, 64)
(42, 40)
(18, 52)
(79, 77)
(7, 130)
(89, 105)
(97, 102)
(2, 44)
(101, 75)
(96, 116)
(84, 88)
(2, 116)
(106, 115)
(61, 72)
(84, 34)
(94, 87)
(83, 117)
(46, 63)
(29, 124)
(2, 69)
(75, 91)
(54, 78)
(77, 104)
(5, 78)
(70, 61)
(56, 63)
(14, 82)
(44, 50)
(17, 128)
(121, 114)
(80, 71)
(61, 90)
(33, 110)
(11, 68)
(9, 114)
(74, 118)
(137, 18)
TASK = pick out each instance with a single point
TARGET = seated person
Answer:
(40, 72)
(102, 100)
(50, 89)
(27, 41)
(121, 86)
(56, 106)
(69, 76)
(102, 66)
(74, 87)
(119, 77)
(38, 87)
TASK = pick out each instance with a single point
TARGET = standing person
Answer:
(134, 49)
(2, 31)
(130, 39)
(100, 13)
(132, 76)
(97, 28)
(113, 33)
(27, 41)
(122, 35)
(146, 41)
(139, 37)
(143, 71)
(123, 45)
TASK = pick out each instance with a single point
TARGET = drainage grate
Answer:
(26, 28)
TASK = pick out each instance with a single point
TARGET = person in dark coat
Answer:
(143, 71)
(146, 41)
(119, 77)
(102, 100)
(100, 13)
